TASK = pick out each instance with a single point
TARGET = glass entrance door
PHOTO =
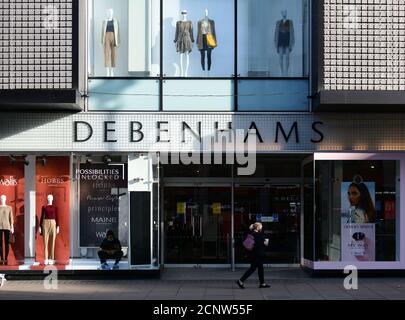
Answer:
(278, 208)
(197, 225)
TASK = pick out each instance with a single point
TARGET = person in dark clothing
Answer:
(110, 248)
(257, 256)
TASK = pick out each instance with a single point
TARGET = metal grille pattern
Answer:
(36, 44)
(364, 44)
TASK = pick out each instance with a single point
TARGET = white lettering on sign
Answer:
(46, 180)
(10, 182)
(104, 220)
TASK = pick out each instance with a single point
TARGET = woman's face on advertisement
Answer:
(354, 196)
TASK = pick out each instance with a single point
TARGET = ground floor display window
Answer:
(73, 212)
(11, 211)
(52, 210)
(103, 220)
(357, 210)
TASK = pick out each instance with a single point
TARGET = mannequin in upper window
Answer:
(49, 228)
(6, 226)
(184, 40)
(206, 26)
(110, 41)
(284, 41)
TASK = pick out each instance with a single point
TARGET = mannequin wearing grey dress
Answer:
(184, 36)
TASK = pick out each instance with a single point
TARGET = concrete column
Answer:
(30, 208)
(74, 208)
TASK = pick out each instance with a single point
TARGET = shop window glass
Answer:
(117, 94)
(124, 38)
(273, 95)
(198, 171)
(12, 196)
(53, 210)
(308, 194)
(198, 38)
(357, 211)
(102, 205)
(198, 95)
(273, 38)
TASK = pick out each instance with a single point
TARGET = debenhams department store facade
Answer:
(324, 115)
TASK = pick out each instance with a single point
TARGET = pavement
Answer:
(209, 284)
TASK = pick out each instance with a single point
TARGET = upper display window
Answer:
(198, 38)
(124, 39)
(271, 38)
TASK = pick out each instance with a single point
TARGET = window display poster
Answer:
(357, 201)
(358, 217)
(53, 177)
(12, 186)
(358, 242)
(101, 187)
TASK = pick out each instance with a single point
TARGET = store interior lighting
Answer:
(107, 159)
(13, 160)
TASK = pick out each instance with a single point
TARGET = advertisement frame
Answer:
(371, 265)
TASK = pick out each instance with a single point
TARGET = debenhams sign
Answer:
(136, 132)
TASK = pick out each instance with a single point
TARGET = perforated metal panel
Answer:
(36, 44)
(364, 45)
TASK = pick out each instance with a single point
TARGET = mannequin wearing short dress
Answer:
(184, 42)
(284, 42)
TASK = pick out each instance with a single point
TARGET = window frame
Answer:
(368, 265)
(235, 77)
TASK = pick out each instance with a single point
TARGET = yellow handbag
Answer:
(211, 41)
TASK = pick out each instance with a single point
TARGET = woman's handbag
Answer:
(249, 242)
(211, 41)
(12, 238)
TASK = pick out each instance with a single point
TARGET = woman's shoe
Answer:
(240, 284)
(264, 285)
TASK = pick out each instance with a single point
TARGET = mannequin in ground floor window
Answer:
(6, 227)
(49, 228)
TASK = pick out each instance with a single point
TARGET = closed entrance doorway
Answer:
(197, 225)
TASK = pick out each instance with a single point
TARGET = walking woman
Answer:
(257, 256)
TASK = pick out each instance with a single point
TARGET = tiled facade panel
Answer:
(364, 44)
(36, 44)
(34, 132)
